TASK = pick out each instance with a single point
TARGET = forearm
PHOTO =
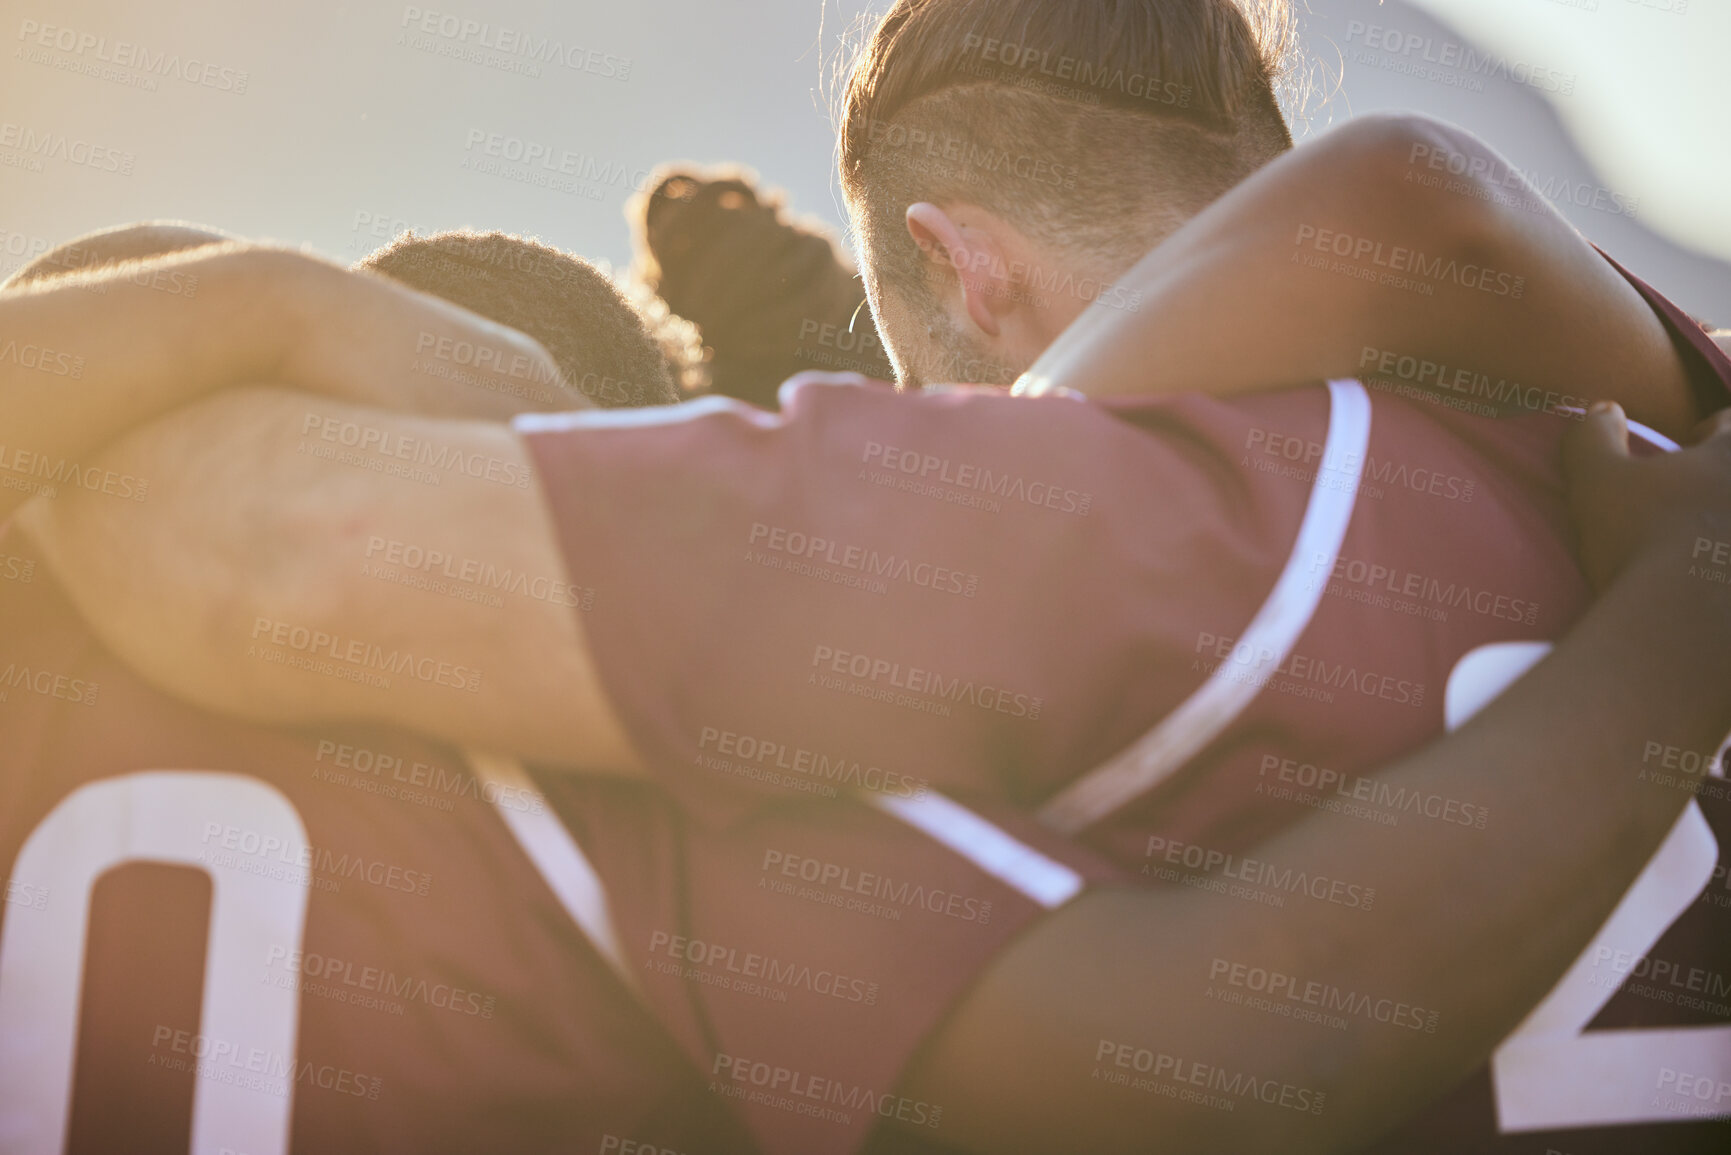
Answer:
(91, 354)
(1502, 913)
(84, 358)
(1554, 760)
(1358, 245)
(305, 560)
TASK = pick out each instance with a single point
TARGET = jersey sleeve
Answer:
(804, 954)
(1709, 368)
(888, 594)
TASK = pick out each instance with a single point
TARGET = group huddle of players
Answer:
(351, 937)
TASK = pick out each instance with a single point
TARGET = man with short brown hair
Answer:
(1061, 123)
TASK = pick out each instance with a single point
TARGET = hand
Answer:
(367, 339)
(1625, 506)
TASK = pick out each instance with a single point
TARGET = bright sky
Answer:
(355, 120)
(1652, 106)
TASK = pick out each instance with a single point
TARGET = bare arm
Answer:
(304, 559)
(270, 613)
(1469, 272)
(1474, 925)
(90, 354)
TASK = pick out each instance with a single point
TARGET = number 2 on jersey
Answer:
(1551, 1073)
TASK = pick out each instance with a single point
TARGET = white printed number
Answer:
(1550, 1073)
(152, 816)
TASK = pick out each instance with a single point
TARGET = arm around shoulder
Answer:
(302, 559)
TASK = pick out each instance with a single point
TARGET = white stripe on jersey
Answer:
(1653, 436)
(637, 417)
(564, 867)
(991, 848)
(1272, 633)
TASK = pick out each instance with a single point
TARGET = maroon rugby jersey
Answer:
(446, 1001)
(1168, 627)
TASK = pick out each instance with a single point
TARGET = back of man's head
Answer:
(1095, 127)
(98, 251)
(599, 340)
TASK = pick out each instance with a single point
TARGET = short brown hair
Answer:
(598, 338)
(618, 353)
(1098, 124)
(98, 251)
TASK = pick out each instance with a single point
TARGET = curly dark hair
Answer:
(770, 296)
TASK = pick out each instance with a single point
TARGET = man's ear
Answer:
(975, 256)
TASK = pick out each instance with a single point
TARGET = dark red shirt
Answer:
(1168, 628)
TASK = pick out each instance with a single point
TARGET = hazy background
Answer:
(352, 124)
